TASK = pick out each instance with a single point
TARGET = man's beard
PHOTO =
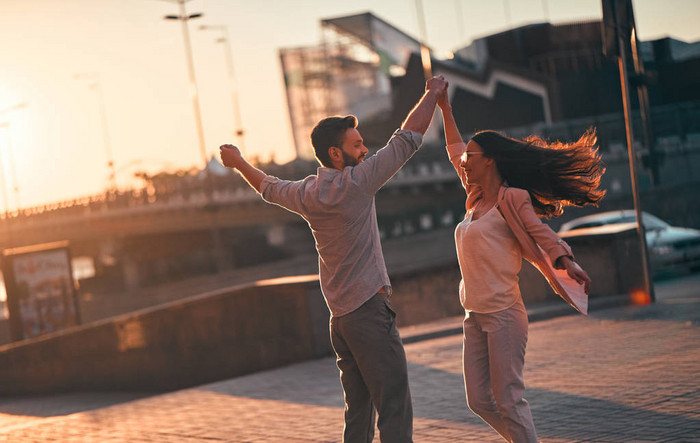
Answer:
(349, 160)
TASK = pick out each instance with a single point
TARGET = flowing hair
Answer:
(555, 174)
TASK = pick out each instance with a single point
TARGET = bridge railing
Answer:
(676, 129)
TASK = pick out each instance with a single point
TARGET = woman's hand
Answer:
(444, 101)
(576, 272)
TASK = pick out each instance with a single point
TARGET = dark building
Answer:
(546, 73)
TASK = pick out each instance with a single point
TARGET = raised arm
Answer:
(232, 158)
(452, 135)
(453, 139)
(418, 120)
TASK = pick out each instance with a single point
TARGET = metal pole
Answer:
(228, 53)
(622, 63)
(3, 181)
(11, 156)
(234, 90)
(460, 17)
(13, 169)
(506, 9)
(97, 87)
(644, 110)
(424, 50)
(105, 136)
(184, 18)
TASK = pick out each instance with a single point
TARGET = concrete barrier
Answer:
(248, 328)
(205, 338)
(610, 256)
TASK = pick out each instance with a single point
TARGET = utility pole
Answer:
(184, 17)
(97, 87)
(228, 53)
(424, 50)
(618, 30)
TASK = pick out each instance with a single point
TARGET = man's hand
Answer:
(420, 116)
(437, 84)
(230, 156)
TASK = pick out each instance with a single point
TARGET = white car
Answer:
(670, 248)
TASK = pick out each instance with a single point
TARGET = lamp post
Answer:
(184, 17)
(14, 107)
(95, 85)
(424, 50)
(6, 200)
(228, 53)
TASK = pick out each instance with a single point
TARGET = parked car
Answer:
(670, 248)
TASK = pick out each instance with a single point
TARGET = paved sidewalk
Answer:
(625, 374)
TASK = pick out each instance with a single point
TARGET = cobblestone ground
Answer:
(626, 374)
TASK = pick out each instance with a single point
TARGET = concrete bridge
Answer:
(154, 235)
(145, 237)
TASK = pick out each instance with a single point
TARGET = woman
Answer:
(510, 183)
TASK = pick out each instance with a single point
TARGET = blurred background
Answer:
(111, 114)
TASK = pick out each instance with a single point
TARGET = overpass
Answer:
(149, 237)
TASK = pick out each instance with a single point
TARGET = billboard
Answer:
(41, 295)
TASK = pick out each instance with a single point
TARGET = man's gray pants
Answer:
(373, 373)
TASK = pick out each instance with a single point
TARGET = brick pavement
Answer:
(627, 374)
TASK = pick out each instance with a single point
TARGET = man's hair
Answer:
(330, 132)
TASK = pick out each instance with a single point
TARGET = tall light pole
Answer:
(183, 17)
(95, 85)
(12, 108)
(424, 50)
(11, 161)
(238, 125)
(3, 182)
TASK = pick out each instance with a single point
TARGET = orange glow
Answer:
(639, 297)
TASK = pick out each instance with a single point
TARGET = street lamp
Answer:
(184, 18)
(15, 187)
(228, 53)
(95, 85)
(3, 181)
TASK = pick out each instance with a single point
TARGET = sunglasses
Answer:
(467, 154)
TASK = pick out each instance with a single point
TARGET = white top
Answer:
(339, 208)
(489, 259)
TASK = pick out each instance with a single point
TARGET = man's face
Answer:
(353, 149)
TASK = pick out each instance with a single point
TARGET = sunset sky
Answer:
(55, 142)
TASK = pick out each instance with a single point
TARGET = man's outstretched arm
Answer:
(232, 158)
(420, 116)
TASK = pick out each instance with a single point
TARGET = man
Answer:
(338, 205)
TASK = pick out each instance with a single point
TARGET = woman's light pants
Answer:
(494, 356)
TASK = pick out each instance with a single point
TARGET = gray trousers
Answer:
(373, 373)
(494, 357)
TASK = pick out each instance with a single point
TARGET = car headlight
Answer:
(661, 250)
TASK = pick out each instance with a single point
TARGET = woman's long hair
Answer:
(555, 174)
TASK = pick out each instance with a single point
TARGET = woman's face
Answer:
(474, 164)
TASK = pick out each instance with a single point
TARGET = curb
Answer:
(539, 312)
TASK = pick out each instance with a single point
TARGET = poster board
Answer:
(41, 295)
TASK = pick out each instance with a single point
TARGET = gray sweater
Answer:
(339, 208)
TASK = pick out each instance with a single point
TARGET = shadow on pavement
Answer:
(439, 395)
(65, 404)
